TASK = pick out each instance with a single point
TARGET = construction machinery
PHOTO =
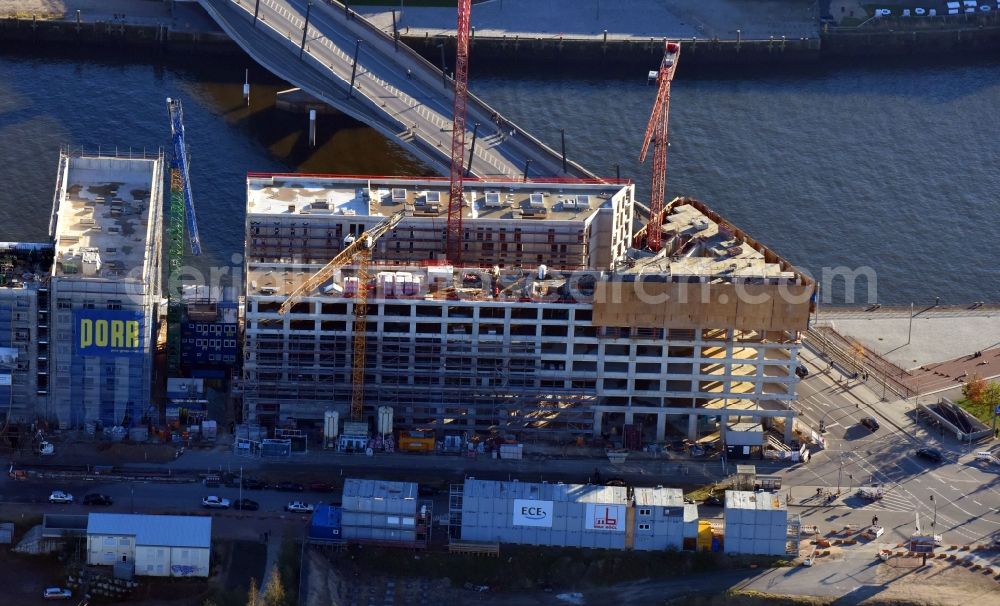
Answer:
(656, 134)
(181, 215)
(357, 252)
(453, 244)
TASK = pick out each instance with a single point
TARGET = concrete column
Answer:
(693, 426)
(598, 422)
(629, 415)
(789, 425)
(661, 427)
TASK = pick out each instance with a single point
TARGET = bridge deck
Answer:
(396, 91)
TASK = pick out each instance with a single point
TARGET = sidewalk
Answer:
(637, 19)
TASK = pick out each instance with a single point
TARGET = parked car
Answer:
(253, 484)
(801, 371)
(931, 454)
(870, 423)
(321, 487)
(59, 496)
(213, 502)
(57, 593)
(299, 507)
(97, 499)
(678, 445)
(289, 487)
(615, 482)
(246, 505)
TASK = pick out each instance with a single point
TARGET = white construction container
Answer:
(755, 523)
(387, 283)
(513, 452)
(209, 430)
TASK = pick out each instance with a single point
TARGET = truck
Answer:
(416, 441)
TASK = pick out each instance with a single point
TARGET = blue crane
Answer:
(181, 160)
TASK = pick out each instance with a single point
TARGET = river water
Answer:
(889, 167)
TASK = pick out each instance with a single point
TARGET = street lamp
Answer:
(840, 473)
(851, 476)
(934, 523)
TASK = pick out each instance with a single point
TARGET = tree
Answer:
(990, 397)
(253, 596)
(274, 591)
(974, 388)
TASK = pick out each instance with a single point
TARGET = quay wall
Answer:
(26, 31)
(887, 37)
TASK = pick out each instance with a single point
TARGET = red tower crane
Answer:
(656, 133)
(453, 245)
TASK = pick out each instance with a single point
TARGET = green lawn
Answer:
(983, 412)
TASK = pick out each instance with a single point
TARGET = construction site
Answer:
(502, 307)
(692, 340)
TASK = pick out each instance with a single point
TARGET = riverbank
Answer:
(535, 35)
(176, 26)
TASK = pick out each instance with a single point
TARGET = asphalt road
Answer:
(414, 107)
(966, 495)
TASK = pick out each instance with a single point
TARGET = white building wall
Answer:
(152, 560)
(107, 550)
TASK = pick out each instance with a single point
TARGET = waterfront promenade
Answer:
(623, 19)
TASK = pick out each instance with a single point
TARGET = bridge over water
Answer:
(396, 91)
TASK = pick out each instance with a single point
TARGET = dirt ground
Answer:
(24, 577)
(105, 453)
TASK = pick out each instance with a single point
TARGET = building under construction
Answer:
(77, 313)
(553, 324)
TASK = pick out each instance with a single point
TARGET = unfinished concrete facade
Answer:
(106, 287)
(684, 342)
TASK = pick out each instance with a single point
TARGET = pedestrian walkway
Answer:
(635, 19)
(273, 542)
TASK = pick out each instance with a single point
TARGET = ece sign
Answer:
(605, 517)
(107, 334)
(528, 512)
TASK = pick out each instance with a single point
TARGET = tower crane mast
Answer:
(657, 135)
(453, 244)
(181, 214)
(359, 253)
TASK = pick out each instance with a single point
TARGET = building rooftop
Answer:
(659, 497)
(703, 246)
(760, 501)
(160, 531)
(423, 197)
(574, 493)
(102, 215)
(23, 263)
(379, 489)
(697, 243)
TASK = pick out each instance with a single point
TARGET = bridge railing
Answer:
(487, 109)
(364, 110)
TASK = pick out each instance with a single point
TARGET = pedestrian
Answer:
(512, 131)
(409, 75)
